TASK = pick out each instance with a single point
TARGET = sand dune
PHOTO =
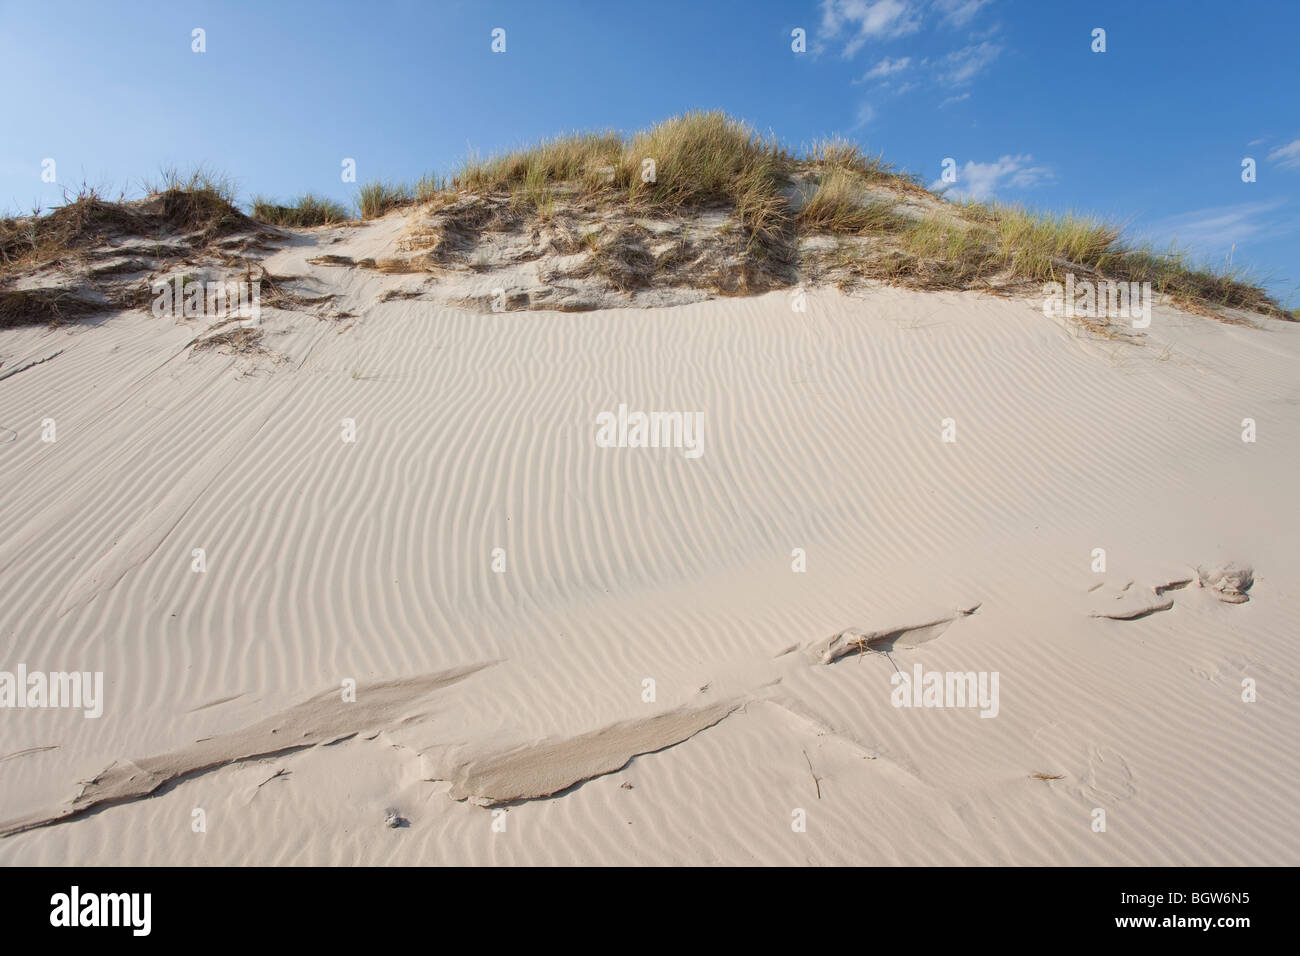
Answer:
(657, 694)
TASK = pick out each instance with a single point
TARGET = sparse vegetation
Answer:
(698, 158)
(1041, 246)
(1174, 274)
(576, 158)
(308, 210)
(242, 340)
(706, 159)
(40, 306)
(941, 253)
(430, 187)
(700, 199)
(841, 204)
(200, 182)
(837, 153)
(200, 205)
(201, 199)
(378, 197)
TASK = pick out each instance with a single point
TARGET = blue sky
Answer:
(1151, 132)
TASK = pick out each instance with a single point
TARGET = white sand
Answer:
(373, 561)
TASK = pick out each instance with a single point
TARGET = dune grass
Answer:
(992, 246)
(1042, 246)
(201, 182)
(1174, 273)
(904, 233)
(687, 161)
(430, 186)
(29, 240)
(708, 157)
(576, 157)
(946, 254)
(199, 199)
(1039, 246)
(840, 204)
(197, 202)
(836, 152)
(378, 197)
(697, 158)
(536, 191)
(307, 210)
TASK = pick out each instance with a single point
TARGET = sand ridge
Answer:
(373, 560)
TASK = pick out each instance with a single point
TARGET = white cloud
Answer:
(1288, 156)
(887, 67)
(958, 13)
(1219, 227)
(954, 99)
(866, 113)
(962, 66)
(980, 181)
(873, 19)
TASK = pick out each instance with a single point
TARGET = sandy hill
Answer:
(365, 585)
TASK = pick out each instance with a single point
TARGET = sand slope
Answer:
(371, 561)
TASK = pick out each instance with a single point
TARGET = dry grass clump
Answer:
(577, 157)
(973, 210)
(1043, 246)
(40, 306)
(623, 258)
(1174, 274)
(87, 217)
(699, 158)
(535, 192)
(707, 157)
(181, 215)
(431, 187)
(1007, 246)
(308, 210)
(200, 204)
(201, 199)
(243, 340)
(204, 187)
(578, 162)
(839, 153)
(378, 197)
(932, 253)
(841, 205)
(944, 254)
(694, 160)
